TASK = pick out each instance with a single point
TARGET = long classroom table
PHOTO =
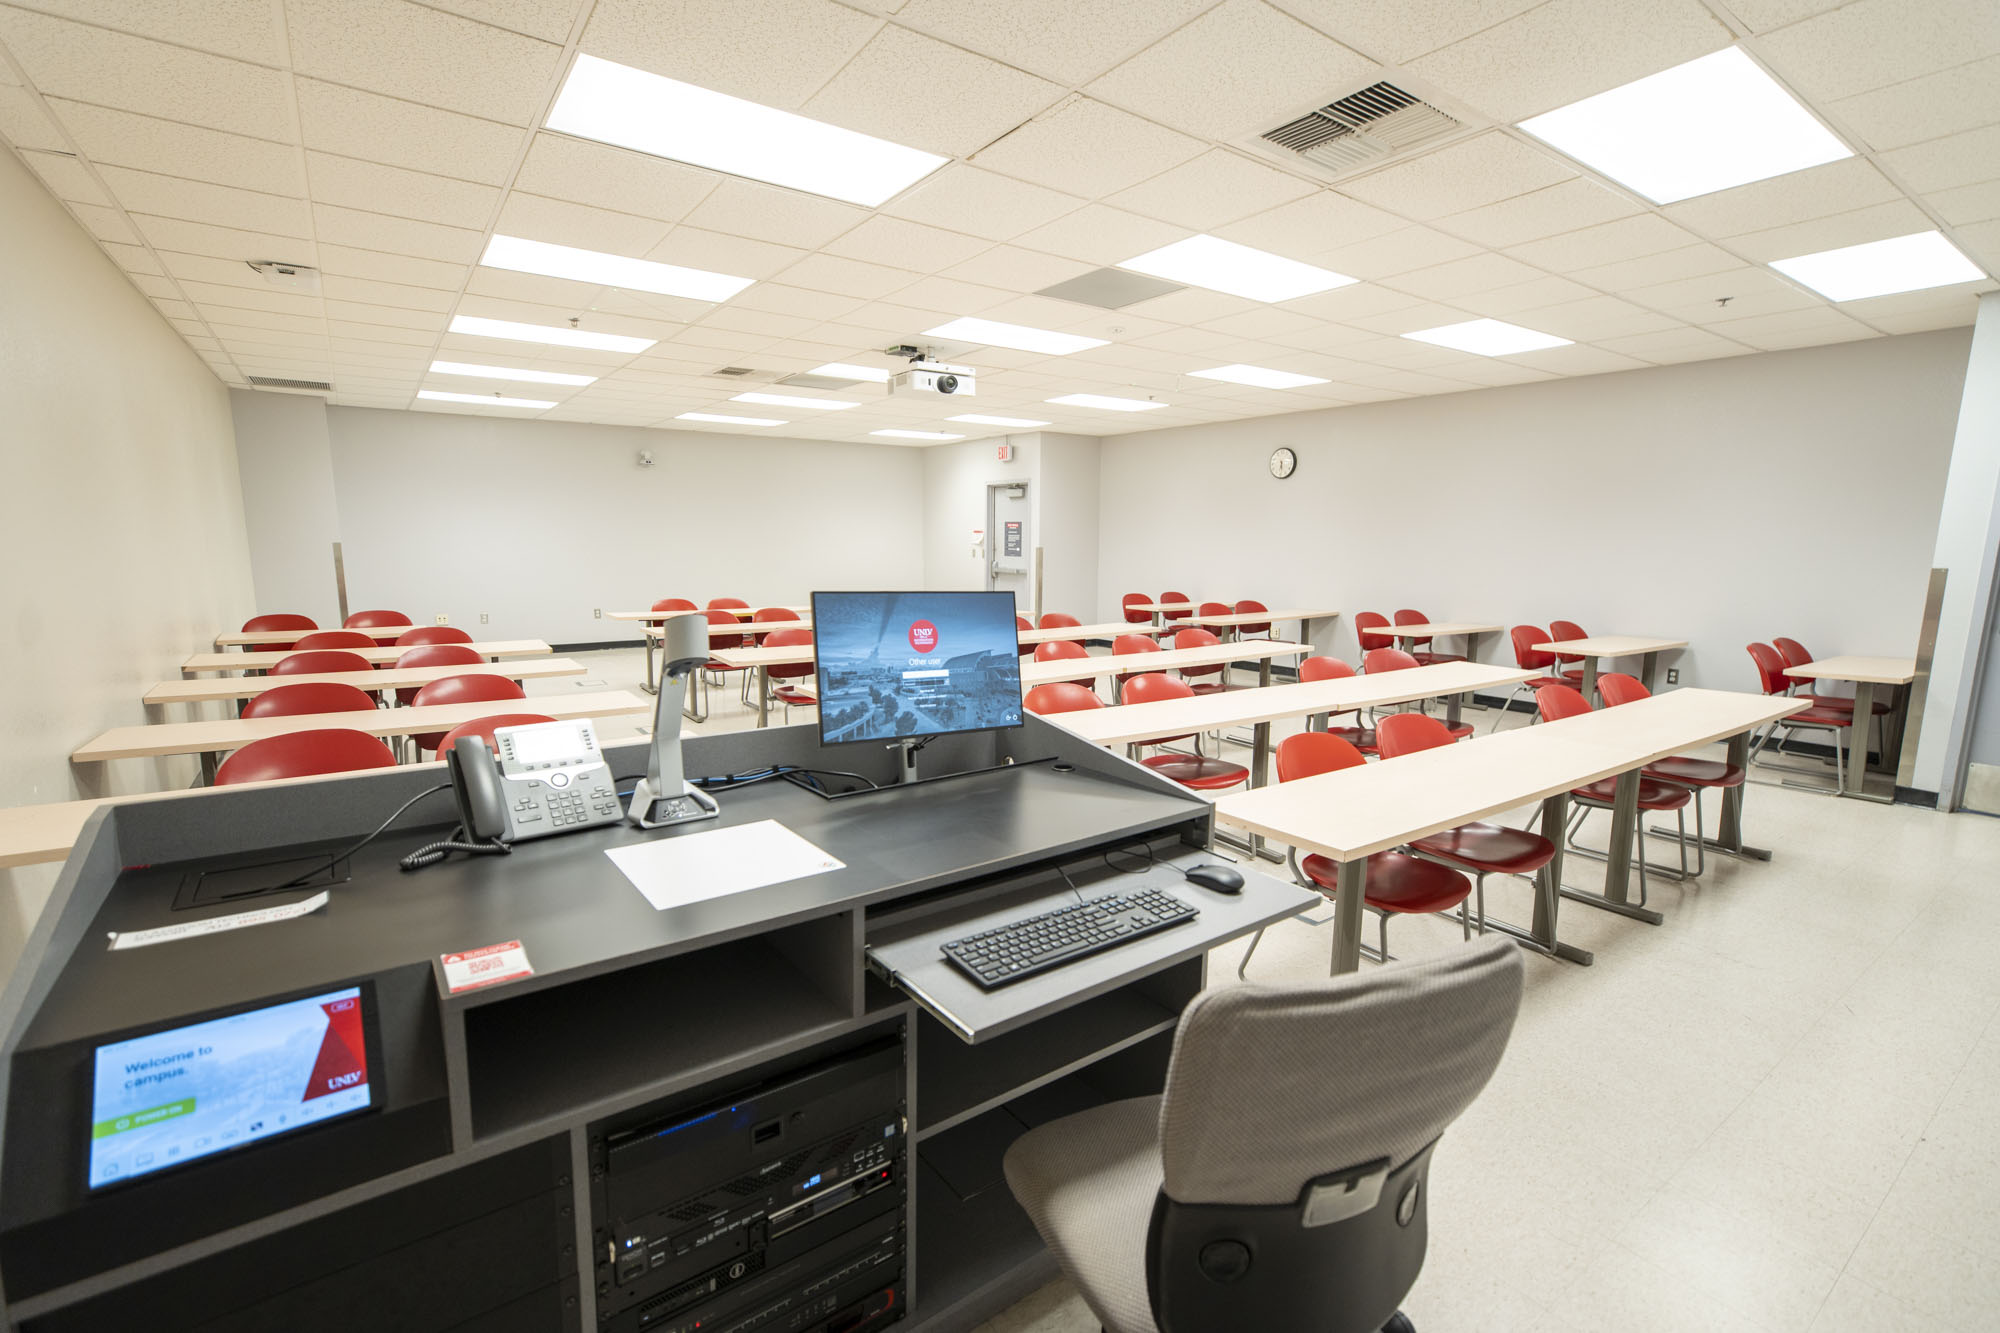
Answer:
(1866, 673)
(491, 648)
(1602, 647)
(209, 689)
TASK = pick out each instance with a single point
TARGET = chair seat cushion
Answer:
(1493, 848)
(1652, 795)
(1087, 1182)
(1397, 882)
(1819, 717)
(796, 698)
(1842, 703)
(1689, 772)
(1210, 689)
(1197, 772)
(1539, 681)
(1361, 738)
(1433, 659)
(1459, 730)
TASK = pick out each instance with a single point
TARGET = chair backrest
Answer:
(1771, 677)
(1407, 733)
(1175, 597)
(320, 662)
(278, 620)
(335, 638)
(1060, 650)
(390, 620)
(671, 604)
(1324, 668)
(1794, 652)
(1215, 609)
(1135, 643)
(1249, 607)
(1197, 638)
(1150, 687)
(310, 697)
(1524, 638)
(789, 638)
(770, 615)
(1021, 624)
(424, 634)
(718, 616)
(1311, 753)
(1058, 620)
(1367, 620)
(485, 727)
(467, 689)
(1259, 1158)
(1556, 702)
(727, 603)
(1562, 631)
(1132, 599)
(1408, 617)
(304, 754)
(1615, 687)
(1063, 696)
(433, 655)
(1387, 659)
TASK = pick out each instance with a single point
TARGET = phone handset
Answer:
(482, 809)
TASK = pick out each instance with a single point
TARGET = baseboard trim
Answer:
(597, 647)
(1916, 796)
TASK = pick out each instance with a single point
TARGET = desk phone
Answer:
(546, 777)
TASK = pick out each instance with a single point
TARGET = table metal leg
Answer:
(208, 766)
(1541, 936)
(1618, 864)
(651, 684)
(1649, 670)
(1590, 681)
(1857, 738)
(763, 696)
(1728, 837)
(1347, 915)
(1260, 774)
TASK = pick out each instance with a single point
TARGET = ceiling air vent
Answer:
(266, 382)
(1364, 129)
(734, 372)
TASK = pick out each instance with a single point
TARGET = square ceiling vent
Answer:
(1110, 288)
(1364, 129)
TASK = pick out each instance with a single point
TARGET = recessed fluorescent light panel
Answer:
(729, 420)
(992, 333)
(790, 400)
(916, 434)
(482, 399)
(509, 373)
(1710, 124)
(1881, 268)
(631, 108)
(1224, 266)
(1257, 377)
(1105, 402)
(1018, 423)
(840, 370)
(545, 333)
(1488, 337)
(594, 266)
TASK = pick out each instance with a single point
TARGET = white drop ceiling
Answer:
(383, 142)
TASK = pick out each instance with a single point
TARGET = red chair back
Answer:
(320, 662)
(485, 727)
(378, 620)
(1064, 696)
(1197, 638)
(674, 604)
(1059, 620)
(1615, 687)
(310, 697)
(727, 603)
(1324, 668)
(1150, 687)
(1060, 650)
(433, 655)
(1214, 609)
(1311, 753)
(1175, 597)
(337, 638)
(1561, 631)
(1021, 625)
(1135, 643)
(304, 754)
(1132, 599)
(1367, 620)
(1248, 607)
(1407, 733)
(462, 690)
(276, 621)
(1794, 652)
(1387, 659)
(1771, 675)
(717, 616)
(1409, 617)
(429, 634)
(771, 615)
(1556, 702)
(789, 638)
(1525, 637)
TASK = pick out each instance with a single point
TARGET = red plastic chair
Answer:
(1479, 849)
(1132, 617)
(394, 620)
(308, 697)
(1524, 638)
(1420, 648)
(1134, 643)
(1332, 668)
(433, 655)
(1561, 631)
(425, 635)
(674, 604)
(1364, 621)
(1379, 660)
(769, 615)
(791, 696)
(1063, 696)
(485, 727)
(1256, 628)
(320, 662)
(304, 754)
(1616, 688)
(1021, 626)
(338, 638)
(1771, 678)
(1200, 638)
(1169, 617)
(1557, 702)
(727, 604)
(1196, 772)
(1060, 650)
(462, 690)
(1394, 881)
(1324, 668)
(278, 620)
(1796, 654)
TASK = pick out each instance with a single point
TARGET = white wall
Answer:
(535, 523)
(1721, 501)
(1061, 473)
(1070, 467)
(120, 517)
(289, 511)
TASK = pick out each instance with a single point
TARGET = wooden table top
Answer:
(230, 733)
(1261, 617)
(1359, 811)
(740, 612)
(738, 630)
(1441, 629)
(1103, 629)
(1872, 670)
(1238, 708)
(376, 656)
(206, 689)
(1171, 659)
(1610, 645)
(1164, 606)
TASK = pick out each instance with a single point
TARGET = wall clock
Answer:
(1283, 463)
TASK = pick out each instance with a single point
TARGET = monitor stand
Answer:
(906, 758)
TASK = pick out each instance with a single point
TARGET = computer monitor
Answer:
(906, 665)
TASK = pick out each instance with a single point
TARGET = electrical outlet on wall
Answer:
(482, 617)
(1673, 675)
(597, 613)
(443, 619)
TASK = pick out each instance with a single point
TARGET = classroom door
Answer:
(1009, 543)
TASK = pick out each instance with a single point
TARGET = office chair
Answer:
(1281, 1183)
(304, 754)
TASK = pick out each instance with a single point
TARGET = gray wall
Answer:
(289, 511)
(1061, 474)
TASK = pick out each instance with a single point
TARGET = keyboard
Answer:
(1035, 944)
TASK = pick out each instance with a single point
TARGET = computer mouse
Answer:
(1222, 879)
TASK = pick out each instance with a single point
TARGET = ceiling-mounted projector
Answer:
(932, 377)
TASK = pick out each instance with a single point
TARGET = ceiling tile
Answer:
(784, 300)
(1397, 252)
(1954, 316)
(1961, 159)
(1764, 15)
(583, 172)
(352, 123)
(1837, 187)
(1873, 43)
(298, 305)
(1483, 169)
(1239, 69)
(1593, 319)
(1216, 188)
(1534, 294)
(111, 69)
(404, 236)
(337, 287)
(1567, 50)
(197, 201)
(1057, 39)
(134, 258)
(241, 29)
(67, 178)
(1952, 100)
(1800, 328)
(912, 89)
(846, 277)
(1401, 32)
(777, 52)
(1579, 360)
(1898, 217)
(1307, 228)
(375, 314)
(1192, 306)
(1690, 261)
(560, 222)
(1345, 303)
(119, 138)
(549, 20)
(530, 287)
(351, 183)
(1462, 277)
(963, 198)
(1750, 291)
(421, 55)
(201, 238)
(23, 124)
(1605, 243)
(347, 335)
(1566, 206)
(1270, 322)
(1396, 323)
(1099, 234)
(719, 252)
(1967, 203)
(1982, 239)
(955, 297)
(1087, 148)
(768, 213)
(1017, 270)
(1680, 343)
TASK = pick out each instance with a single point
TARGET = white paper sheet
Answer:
(673, 872)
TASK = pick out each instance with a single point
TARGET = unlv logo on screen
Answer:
(923, 636)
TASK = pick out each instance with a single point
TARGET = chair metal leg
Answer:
(1243, 967)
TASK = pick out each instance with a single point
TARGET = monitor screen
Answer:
(904, 664)
(172, 1096)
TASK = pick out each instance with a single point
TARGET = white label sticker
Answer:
(486, 967)
(187, 930)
